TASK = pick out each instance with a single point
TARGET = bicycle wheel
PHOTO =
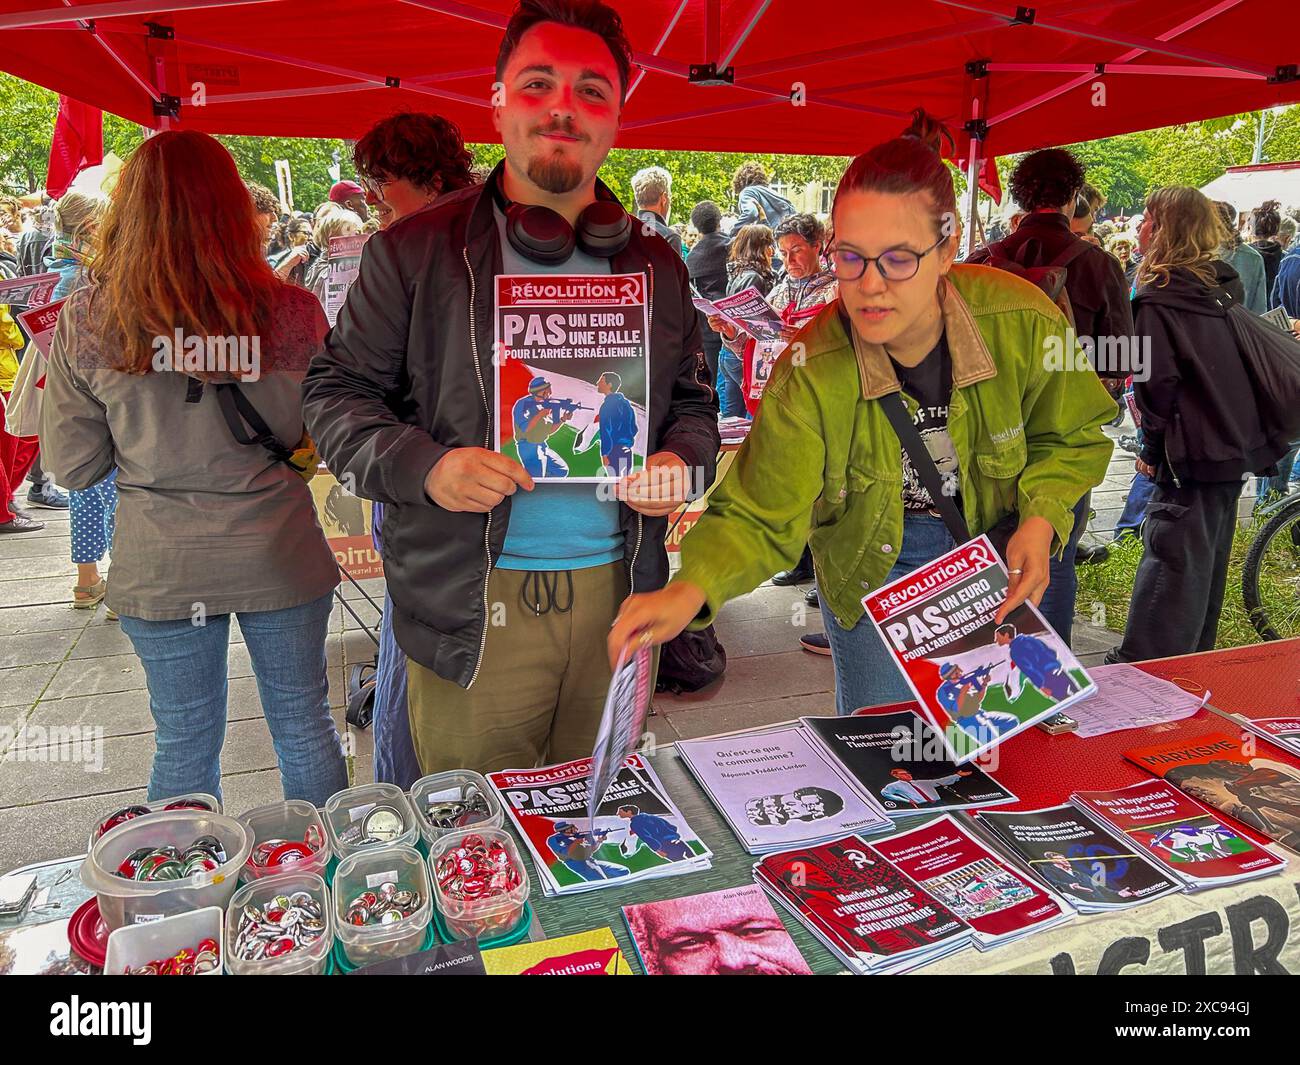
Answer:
(1270, 579)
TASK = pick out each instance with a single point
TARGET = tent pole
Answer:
(972, 194)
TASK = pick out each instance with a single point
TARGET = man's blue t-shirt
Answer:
(557, 526)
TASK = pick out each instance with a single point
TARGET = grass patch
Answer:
(1106, 590)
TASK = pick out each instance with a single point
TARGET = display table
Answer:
(1253, 927)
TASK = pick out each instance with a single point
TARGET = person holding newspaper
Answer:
(503, 589)
(823, 463)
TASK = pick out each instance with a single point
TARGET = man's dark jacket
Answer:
(707, 265)
(406, 376)
(1094, 281)
(1199, 416)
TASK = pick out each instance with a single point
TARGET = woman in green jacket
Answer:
(1008, 407)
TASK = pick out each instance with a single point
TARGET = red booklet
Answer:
(1180, 833)
(1252, 782)
(866, 911)
(980, 886)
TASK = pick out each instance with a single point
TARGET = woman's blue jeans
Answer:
(186, 664)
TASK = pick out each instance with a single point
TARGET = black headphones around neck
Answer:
(544, 236)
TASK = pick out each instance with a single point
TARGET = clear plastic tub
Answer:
(133, 945)
(441, 787)
(289, 820)
(366, 871)
(124, 901)
(310, 960)
(497, 915)
(157, 806)
(347, 813)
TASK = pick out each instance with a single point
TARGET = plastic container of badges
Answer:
(297, 824)
(454, 801)
(134, 945)
(123, 901)
(371, 815)
(491, 916)
(382, 904)
(255, 899)
(121, 815)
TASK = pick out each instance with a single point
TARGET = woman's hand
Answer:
(654, 617)
(1144, 469)
(1028, 554)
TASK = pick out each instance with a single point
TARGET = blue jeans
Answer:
(185, 666)
(1135, 505)
(91, 514)
(731, 386)
(865, 672)
(1063, 587)
(395, 760)
(1281, 484)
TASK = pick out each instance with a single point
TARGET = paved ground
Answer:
(60, 666)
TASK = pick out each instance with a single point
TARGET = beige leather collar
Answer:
(971, 360)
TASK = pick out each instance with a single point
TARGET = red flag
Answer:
(989, 180)
(78, 143)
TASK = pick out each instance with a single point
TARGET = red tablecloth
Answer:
(1262, 680)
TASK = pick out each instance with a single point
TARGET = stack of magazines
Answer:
(637, 832)
(1185, 838)
(778, 788)
(1076, 855)
(824, 777)
(1001, 904)
(867, 913)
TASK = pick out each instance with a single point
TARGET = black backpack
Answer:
(691, 661)
(1272, 360)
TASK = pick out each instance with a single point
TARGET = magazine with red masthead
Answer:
(977, 884)
(1182, 835)
(1255, 783)
(865, 911)
(979, 682)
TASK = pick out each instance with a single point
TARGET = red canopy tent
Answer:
(806, 76)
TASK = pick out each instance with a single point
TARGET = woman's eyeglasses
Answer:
(897, 264)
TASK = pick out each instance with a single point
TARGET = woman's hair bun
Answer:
(930, 131)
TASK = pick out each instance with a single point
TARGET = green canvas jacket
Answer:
(823, 465)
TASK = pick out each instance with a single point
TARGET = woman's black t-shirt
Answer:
(929, 382)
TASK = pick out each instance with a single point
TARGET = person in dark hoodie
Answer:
(1201, 431)
(707, 266)
(1265, 221)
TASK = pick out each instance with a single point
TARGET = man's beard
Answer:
(554, 174)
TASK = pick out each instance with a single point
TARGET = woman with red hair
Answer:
(180, 364)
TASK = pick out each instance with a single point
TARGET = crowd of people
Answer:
(509, 602)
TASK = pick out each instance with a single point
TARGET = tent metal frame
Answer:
(977, 121)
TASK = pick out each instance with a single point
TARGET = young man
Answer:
(505, 591)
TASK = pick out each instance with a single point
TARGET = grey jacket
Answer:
(202, 520)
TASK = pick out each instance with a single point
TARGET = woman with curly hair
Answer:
(1265, 222)
(1201, 432)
